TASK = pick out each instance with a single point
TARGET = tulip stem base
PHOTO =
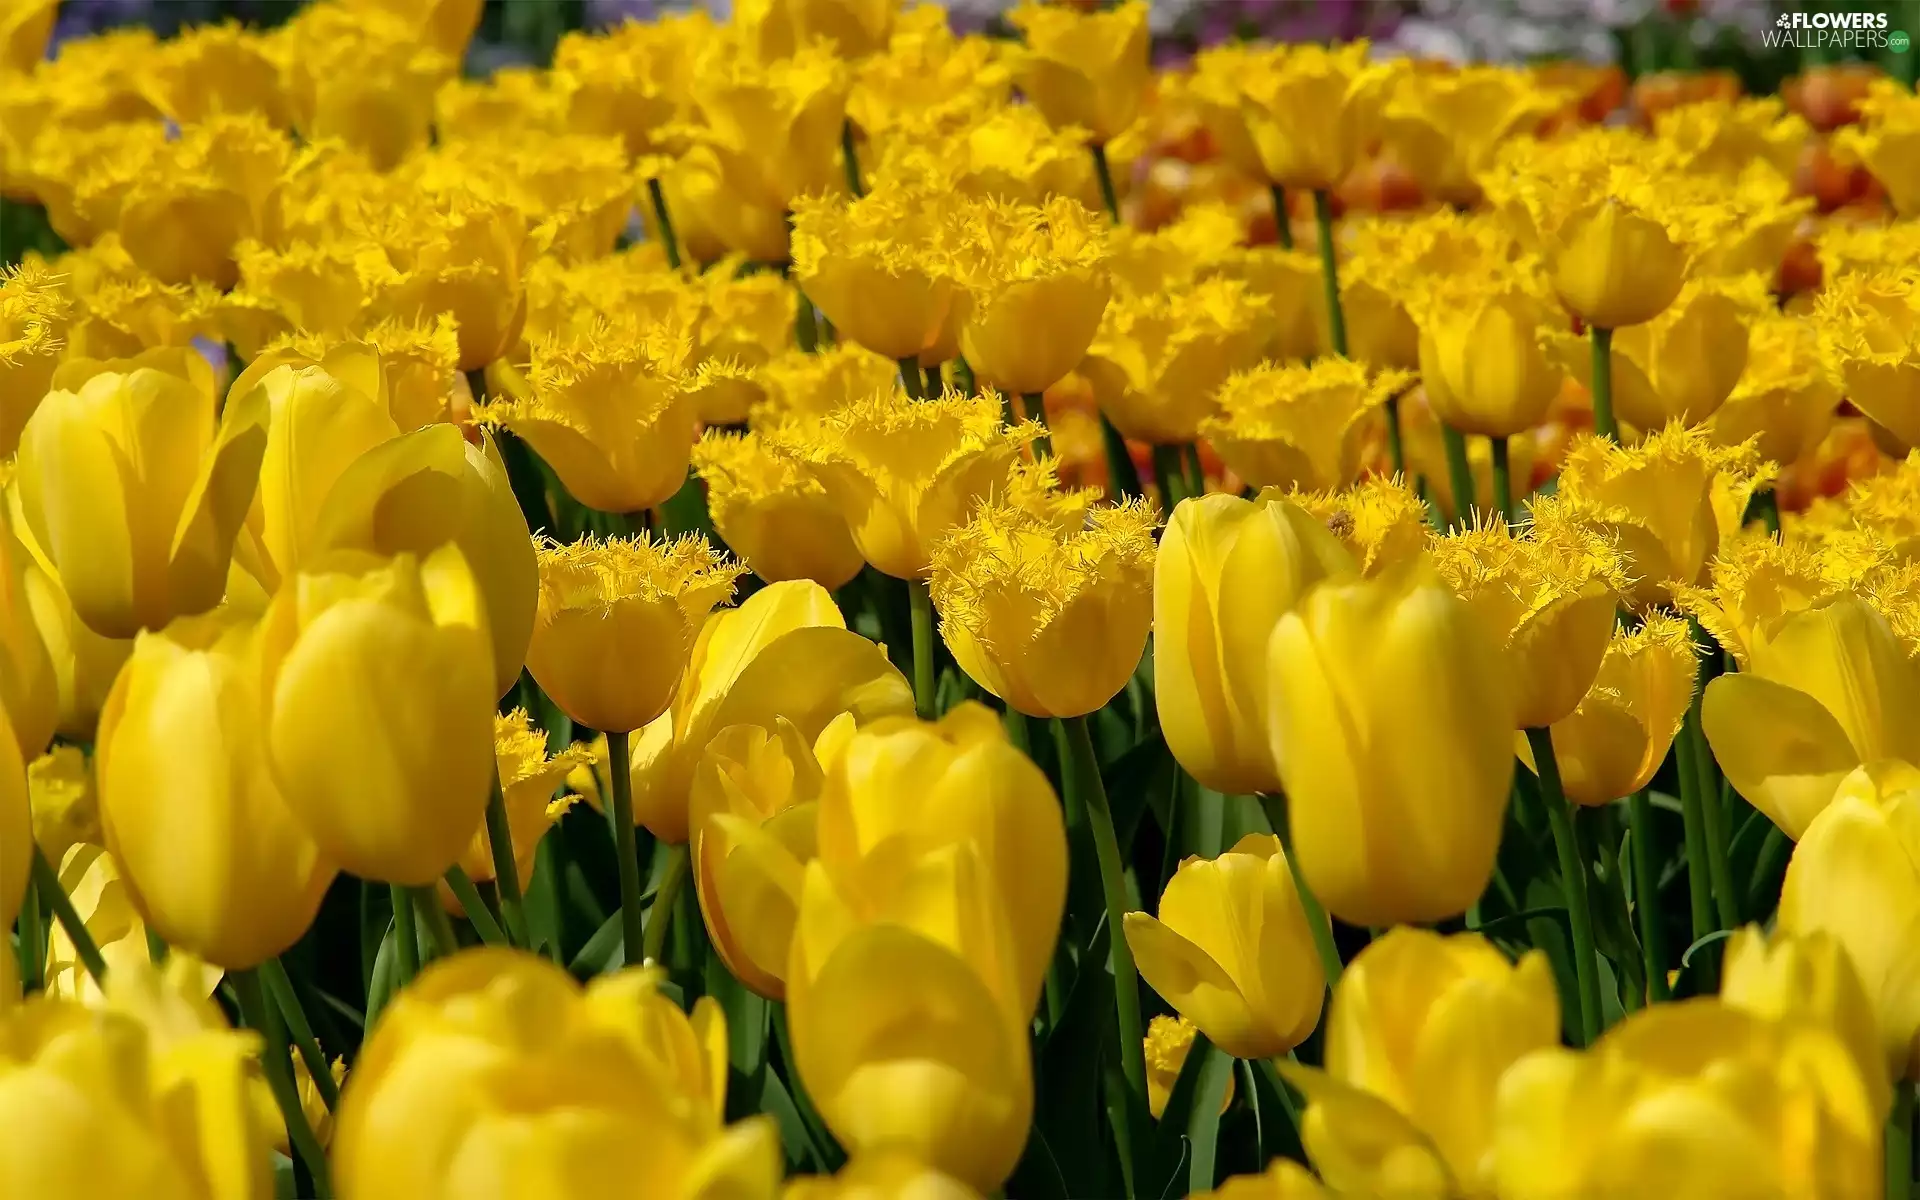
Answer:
(1602, 384)
(1083, 779)
(1282, 219)
(47, 882)
(666, 893)
(668, 241)
(280, 989)
(506, 871)
(921, 602)
(1646, 896)
(1275, 806)
(1573, 881)
(910, 377)
(1502, 480)
(626, 848)
(1459, 475)
(406, 938)
(1329, 271)
(1034, 405)
(275, 1062)
(1900, 1143)
(1104, 173)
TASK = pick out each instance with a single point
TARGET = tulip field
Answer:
(816, 602)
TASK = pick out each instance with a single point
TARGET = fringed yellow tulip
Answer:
(1232, 950)
(876, 267)
(1227, 570)
(66, 806)
(1312, 112)
(1684, 363)
(529, 777)
(1169, 1040)
(1007, 153)
(1051, 621)
(773, 125)
(1036, 281)
(631, 81)
(809, 386)
(1299, 426)
(29, 683)
(772, 513)
(24, 33)
(1380, 521)
(1287, 285)
(225, 68)
(1886, 141)
(1394, 660)
(1445, 125)
(1866, 322)
(465, 253)
(84, 663)
(1785, 399)
(1158, 362)
(377, 693)
(208, 844)
(1484, 351)
(1810, 977)
(1611, 745)
(1422, 1029)
(211, 188)
(1086, 69)
(33, 317)
(363, 76)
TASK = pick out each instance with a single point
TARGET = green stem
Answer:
(625, 849)
(1713, 826)
(1900, 1143)
(1459, 475)
(434, 918)
(1699, 874)
(1170, 475)
(1573, 880)
(1275, 806)
(920, 601)
(1602, 380)
(278, 1067)
(1282, 226)
(850, 156)
(1084, 780)
(1104, 174)
(935, 385)
(1396, 444)
(665, 893)
(806, 329)
(475, 906)
(1768, 501)
(1196, 474)
(668, 241)
(1123, 477)
(910, 377)
(406, 941)
(1329, 271)
(1646, 895)
(33, 941)
(273, 973)
(506, 871)
(47, 882)
(1502, 480)
(1034, 405)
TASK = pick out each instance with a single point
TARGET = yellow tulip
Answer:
(753, 812)
(1689, 1099)
(84, 663)
(377, 692)
(629, 1096)
(630, 81)
(1394, 262)
(609, 413)
(905, 473)
(1299, 426)
(135, 491)
(1004, 152)
(29, 684)
(1483, 352)
(66, 807)
(417, 364)
(1444, 125)
(24, 34)
(1886, 141)
(1379, 521)
(1611, 745)
(1283, 1179)
(1853, 877)
(1683, 364)
(905, 787)
(207, 844)
(744, 324)
(772, 125)
(1312, 112)
(926, 79)
(1421, 1030)
(1547, 599)
(1787, 977)
(1397, 661)
(883, 1175)
(34, 310)
(72, 1076)
(1168, 1042)
(1052, 621)
(363, 76)
(1086, 69)
(1866, 321)
(213, 186)
(1227, 570)
(617, 622)
(875, 267)
(209, 69)
(528, 778)
(1288, 289)
(1724, 137)
(784, 653)
(1786, 399)
(91, 878)
(1233, 951)
(465, 253)
(1036, 282)
(446, 25)
(1158, 362)
(808, 386)
(772, 513)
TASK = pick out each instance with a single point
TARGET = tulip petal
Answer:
(1362, 1145)
(1782, 751)
(1198, 988)
(217, 507)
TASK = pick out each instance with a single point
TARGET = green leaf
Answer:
(1718, 935)
(1169, 1155)
(1769, 872)
(1203, 1121)
(381, 989)
(1067, 1078)
(605, 950)
(1037, 1176)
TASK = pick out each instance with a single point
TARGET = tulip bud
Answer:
(29, 686)
(1483, 353)
(1681, 365)
(1232, 950)
(377, 683)
(210, 851)
(772, 513)
(1036, 279)
(1392, 660)
(1611, 745)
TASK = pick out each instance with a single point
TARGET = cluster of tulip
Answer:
(381, 430)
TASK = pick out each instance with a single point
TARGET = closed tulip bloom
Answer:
(753, 813)
(33, 317)
(1421, 1030)
(1227, 570)
(1445, 125)
(207, 844)
(1232, 950)
(1396, 660)
(904, 473)
(1885, 142)
(135, 491)
(66, 806)
(1613, 742)
(377, 688)
(1866, 322)
(1809, 978)
(1168, 1042)
(73, 1076)
(1548, 598)
(1380, 521)
(883, 1175)
(1087, 69)
(1299, 426)
(1786, 398)
(876, 266)
(1051, 621)
(1312, 112)
(1159, 361)
(610, 414)
(1484, 353)
(772, 512)
(529, 777)
(786, 653)
(617, 621)
(631, 1100)
(1036, 281)
(1683, 364)
(363, 76)
(1688, 1099)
